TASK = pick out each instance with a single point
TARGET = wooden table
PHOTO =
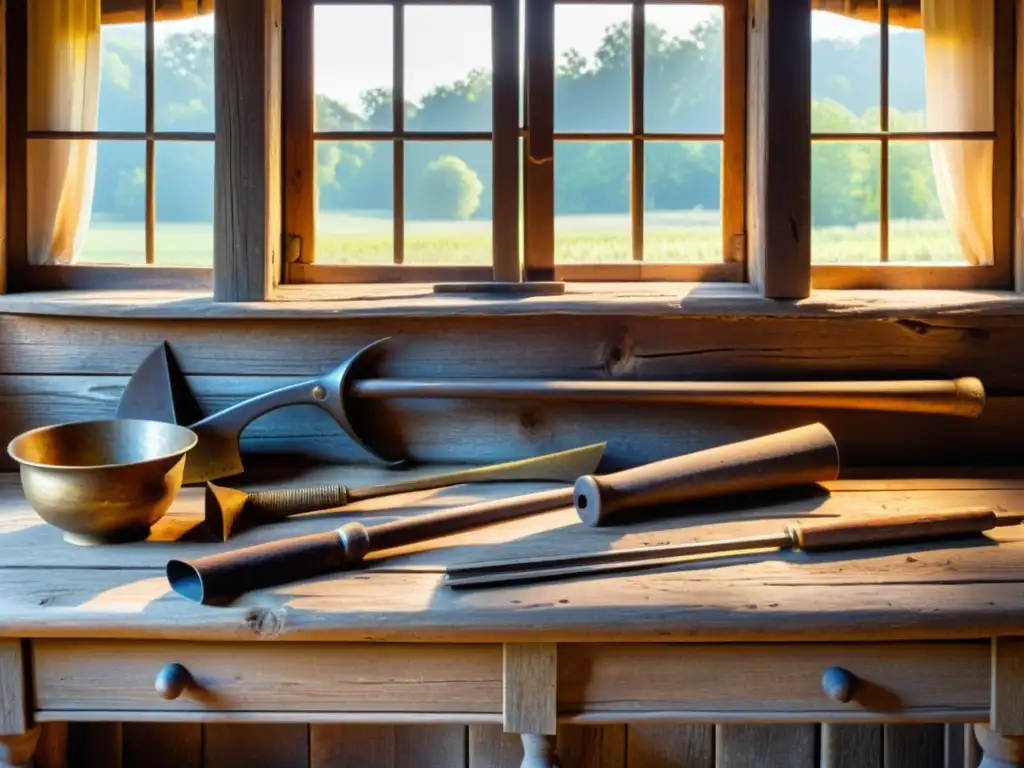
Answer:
(927, 632)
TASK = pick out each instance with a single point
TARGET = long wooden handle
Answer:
(893, 529)
(794, 457)
(954, 397)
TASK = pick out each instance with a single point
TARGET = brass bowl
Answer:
(102, 481)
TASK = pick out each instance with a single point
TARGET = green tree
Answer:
(447, 189)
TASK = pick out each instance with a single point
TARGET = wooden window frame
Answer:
(22, 276)
(538, 137)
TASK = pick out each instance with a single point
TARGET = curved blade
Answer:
(157, 391)
(562, 466)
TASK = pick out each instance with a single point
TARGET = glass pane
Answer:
(353, 69)
(922, 229)
(846, 65)
(941, 75)
(448, 202)
(845, 185)
(355, 202)
(682, 201)
(184, 204)
(448, 67)
(122, 92)
(684, 62)
(110, 231)
(592, 222)
(183, 78)
(592, 56)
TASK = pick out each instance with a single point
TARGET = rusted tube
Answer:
(794, 457)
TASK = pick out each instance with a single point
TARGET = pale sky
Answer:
(444, 42)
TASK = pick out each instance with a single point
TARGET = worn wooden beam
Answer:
(247, 209)
(15, 118)
(529, 688)
(779, 148)
(13, 694)
(299, 151)
(1008, 686)
(539, 155)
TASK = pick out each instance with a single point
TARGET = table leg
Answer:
(16, 751)
(999, 751)
(539, 751)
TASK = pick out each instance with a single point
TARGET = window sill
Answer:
(418, 300)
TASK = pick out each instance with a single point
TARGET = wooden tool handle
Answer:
(295, 501)
(795, 457)
(894, 529)
(220, 578)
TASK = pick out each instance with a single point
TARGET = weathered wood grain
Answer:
(1008, 686)
(52, 749)
(354, 677)
(602, 347)
(93, 744)
(162, 745)
(388, 746)
(702, 682)
(589, 746)
(529, 693)
(668, 746)
(248, 200)
(779, 148)
(463, 431)
(261, 745)
(341, 746)
(491, 747)
(913, 746)
(665, 299)
(854, 746)
(755, 746)
(14, 693)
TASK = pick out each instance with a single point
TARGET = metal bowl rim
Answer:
(26, 463)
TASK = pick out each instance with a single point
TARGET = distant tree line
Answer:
(452, 180)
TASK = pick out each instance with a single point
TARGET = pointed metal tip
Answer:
(222, 507)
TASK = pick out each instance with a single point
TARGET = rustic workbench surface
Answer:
(951, 590)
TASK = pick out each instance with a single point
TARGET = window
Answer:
(558, 140)
(911, 162)
(119, 139)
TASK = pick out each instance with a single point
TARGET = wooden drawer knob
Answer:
(839, 684)
(171, 681)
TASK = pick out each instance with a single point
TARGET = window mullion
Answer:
(150, 129)
(636, 176)
(299, 146)
(779, 148)
(505, 140)
(398, 120)
(539, 173)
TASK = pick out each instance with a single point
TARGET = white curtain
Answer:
(959, 67)
(64, 81)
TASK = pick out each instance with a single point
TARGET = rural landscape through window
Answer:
(636, 127)
(905, 133)
(120, 135)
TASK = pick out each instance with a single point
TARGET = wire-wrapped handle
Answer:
(295, 501)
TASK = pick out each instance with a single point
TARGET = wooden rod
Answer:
(958, 397)
(883, 194)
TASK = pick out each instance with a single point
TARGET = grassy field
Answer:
(685, 236)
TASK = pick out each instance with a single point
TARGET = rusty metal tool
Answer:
(220, 578)
(217, 454)
(225, 506)
(896, 529)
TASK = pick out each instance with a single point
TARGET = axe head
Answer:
(222, 506)
(157, 391)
